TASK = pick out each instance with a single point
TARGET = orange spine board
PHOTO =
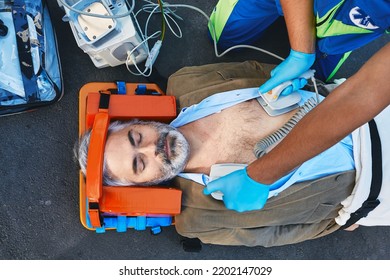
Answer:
(135, 201)
(132, 200)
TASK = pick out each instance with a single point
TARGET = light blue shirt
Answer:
(336, 159)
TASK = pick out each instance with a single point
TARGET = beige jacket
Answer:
(304, 211)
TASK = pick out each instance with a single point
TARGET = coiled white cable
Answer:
(262, 146)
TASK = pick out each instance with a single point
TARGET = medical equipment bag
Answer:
(30, 69)
(111, 207)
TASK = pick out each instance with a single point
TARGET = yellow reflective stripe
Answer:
(329, 15)
(339, 28)
(342, 60)
(220, 16)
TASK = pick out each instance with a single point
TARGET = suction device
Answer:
(275, 104)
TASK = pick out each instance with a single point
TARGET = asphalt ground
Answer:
(39, 200)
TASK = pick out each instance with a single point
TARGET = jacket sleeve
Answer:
(269, 236)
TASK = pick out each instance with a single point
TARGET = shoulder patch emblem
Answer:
(361, 19)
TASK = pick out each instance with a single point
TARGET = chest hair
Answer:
(228, 136)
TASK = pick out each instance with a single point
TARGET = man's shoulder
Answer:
(190, 85)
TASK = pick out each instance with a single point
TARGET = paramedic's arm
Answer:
(299, 17)
(352, 104)
(300, 22)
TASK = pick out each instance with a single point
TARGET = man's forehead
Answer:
(129, 126)
(139, 123)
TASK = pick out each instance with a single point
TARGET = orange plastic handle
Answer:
(94, 176)
(157, 108)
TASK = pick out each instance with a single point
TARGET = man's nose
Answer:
(149, 150)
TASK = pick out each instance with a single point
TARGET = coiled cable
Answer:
(261, 146)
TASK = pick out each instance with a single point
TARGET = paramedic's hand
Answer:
(290, 69)
(240, 192)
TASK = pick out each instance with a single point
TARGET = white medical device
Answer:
(222, 169)
(108, 39)
(275, 104)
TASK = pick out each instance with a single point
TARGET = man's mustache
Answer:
(160, 148)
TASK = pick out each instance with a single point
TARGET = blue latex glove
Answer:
(240, 192)
(290, 69)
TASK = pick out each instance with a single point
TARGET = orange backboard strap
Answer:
(94, 178)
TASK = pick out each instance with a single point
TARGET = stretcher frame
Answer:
(111, 207)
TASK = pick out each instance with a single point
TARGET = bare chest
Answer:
(226, 137)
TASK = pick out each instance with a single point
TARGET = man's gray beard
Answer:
(179, 152)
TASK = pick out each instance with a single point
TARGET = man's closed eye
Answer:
(138, 164)
(135, 138)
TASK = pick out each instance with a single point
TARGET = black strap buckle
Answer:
(95, 206)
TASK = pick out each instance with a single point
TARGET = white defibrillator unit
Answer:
(107, 39)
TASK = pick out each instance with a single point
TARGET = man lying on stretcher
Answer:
(224, 128)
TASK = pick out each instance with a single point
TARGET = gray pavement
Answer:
(39, 207)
